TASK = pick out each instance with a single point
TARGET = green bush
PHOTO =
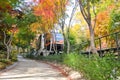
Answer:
(4, 62)
(55, 58)
(94, 68)
(7, 62)
(71, 60)
(29, 56)
(13, 56)
(2, 54)
(2, 65)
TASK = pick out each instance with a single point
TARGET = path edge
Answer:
(10, 67)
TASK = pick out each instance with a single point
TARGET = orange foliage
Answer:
(45, 9)
(49, 11)
(102, 24)
(5, 6)
(102, 21)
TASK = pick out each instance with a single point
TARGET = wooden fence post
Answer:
(117, 45)
(100, 47)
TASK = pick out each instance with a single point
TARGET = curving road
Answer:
(31, 70)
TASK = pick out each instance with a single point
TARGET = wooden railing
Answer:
(112, 43)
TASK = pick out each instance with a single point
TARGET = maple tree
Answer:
(7, 23)
(102, 24)
(85, 7)
(23, 38)
(103, 20)
(103, 27)
(48, 13)
(45, 9)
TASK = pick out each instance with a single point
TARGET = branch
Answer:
(10, 39)
(95, 16)
(83, 10)
(4, 38)
(73, 11)
(89, 15)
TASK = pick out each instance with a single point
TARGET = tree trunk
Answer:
(87, 16)
(92, 41)
(17, 49)
(68, 46)
(42, 46)
(66, 40)
(8, 44)
(8, 53)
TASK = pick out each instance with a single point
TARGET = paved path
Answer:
(32, 70)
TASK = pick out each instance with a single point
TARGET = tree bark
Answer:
(8, 53)
(68, 45)
(92, 42)
(41, 42)
(8, 44)
(87, 16)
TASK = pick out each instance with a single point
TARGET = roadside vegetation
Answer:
(5, 62)
(93, 68)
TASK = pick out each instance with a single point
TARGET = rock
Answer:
(75, 75)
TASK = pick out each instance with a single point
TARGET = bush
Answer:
(29, 56)
(71, 60)
(2, 54)
(13, 56)
(2, 65)
(4, 62)
(94, 68)
(55, 58)
(7, 62)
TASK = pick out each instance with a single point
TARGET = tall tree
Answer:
(23, 38)
(48, 13)
(85, 6)
(69, 26)
(7, 22)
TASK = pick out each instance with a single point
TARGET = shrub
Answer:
(29, 56)
(7, 62)
(2, 65)
(55, 58)
(71, 60)
(94, 68)
(13, 56)
(2, 54)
